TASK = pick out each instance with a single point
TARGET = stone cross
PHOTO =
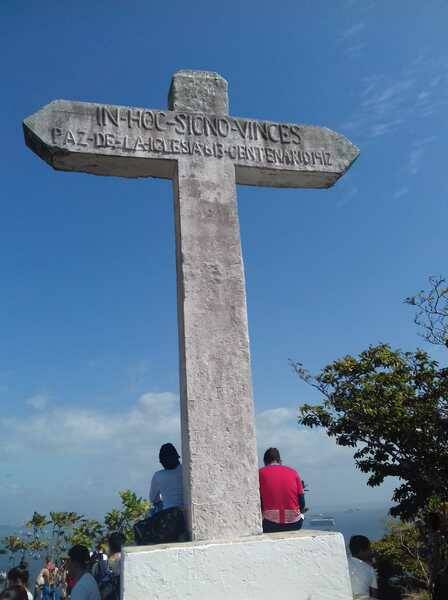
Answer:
(206, 153)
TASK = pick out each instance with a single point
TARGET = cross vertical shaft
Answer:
(218, 431)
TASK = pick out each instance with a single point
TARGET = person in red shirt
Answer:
(282, 495)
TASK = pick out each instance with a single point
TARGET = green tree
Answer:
(35, 547)
(37, 523)
(14, 546)
(88, 532)
(122, 520)
(391, 407)
(62, 525)
(402, 552)
(56, 533)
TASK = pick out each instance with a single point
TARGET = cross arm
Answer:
(138, 142)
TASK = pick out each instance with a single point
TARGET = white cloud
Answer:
(78, 458)
(389, 102)
(63, 429)
(38, 402)
(417, 154)
(350, 40)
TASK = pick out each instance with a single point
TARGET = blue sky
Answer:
(88, 352)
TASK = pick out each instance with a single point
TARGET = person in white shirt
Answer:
(166, 486)
(85, 587)
(362, 575)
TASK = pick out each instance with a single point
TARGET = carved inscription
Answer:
(157, 133)
(198, 125)
(176, 146)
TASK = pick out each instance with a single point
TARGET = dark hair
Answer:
(116, 541)
(271, 455)
(15, 592)
(358, 543)
(18, 575)
(169, 457)
(79, 554)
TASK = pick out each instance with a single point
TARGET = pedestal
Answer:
(307, 565)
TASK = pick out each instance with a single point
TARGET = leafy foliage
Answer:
(62, 524)
(14, 543)
(416, 553)
(133, 508)
(56, 533)
(392, 408)
(37, 522)
(402, 552)
(88, 532)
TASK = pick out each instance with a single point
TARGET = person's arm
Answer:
(154, 491)
(300, 494)
(373, 587)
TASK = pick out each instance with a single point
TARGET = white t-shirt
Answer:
(362, 577)
(166, 485)
(86, 588)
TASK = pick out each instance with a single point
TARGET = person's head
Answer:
(15, 592)
(272, 455)
(115, 542)
(79, 558)
(360, 547)
(18, 576)
(100, 548)
(168, 456)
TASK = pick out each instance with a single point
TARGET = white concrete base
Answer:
(306, 565)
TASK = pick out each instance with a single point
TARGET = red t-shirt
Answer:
(280, 488)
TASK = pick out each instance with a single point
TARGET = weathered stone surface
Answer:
(219, 447)
(218, 436)
(138, 142)
(308, 565)
(198, 92)
(205, 152)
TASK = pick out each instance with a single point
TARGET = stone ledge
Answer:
(303, 533)
(305, 565)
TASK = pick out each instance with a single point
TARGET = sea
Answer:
(369, 521)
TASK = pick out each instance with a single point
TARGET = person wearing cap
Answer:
(166, 486)
(85, 587)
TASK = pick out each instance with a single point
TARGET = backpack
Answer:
(165, 527)
(108, 582)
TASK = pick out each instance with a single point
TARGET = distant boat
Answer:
(322, 521)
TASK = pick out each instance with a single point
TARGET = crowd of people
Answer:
(86, 575)
(82, 575)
